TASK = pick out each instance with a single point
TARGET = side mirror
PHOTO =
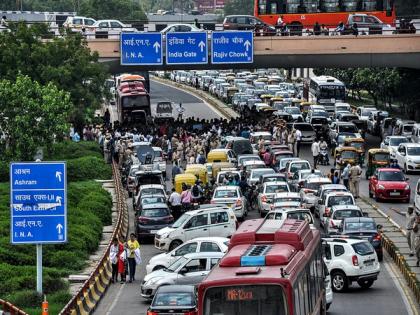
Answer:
(183, 270)
(365, 214)
(379, 227)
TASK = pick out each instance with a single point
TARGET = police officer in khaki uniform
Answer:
(410, 218)
(355, 175)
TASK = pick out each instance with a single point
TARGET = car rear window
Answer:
(276, 189)
(340, 214)
(226, 194)
(363, 248)
(174, 299)
(153, 213)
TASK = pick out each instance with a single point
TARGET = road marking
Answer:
(195, 95)
(401, 286)
(117, 297)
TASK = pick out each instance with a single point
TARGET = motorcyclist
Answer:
(197, 192)
(323, 146)
(244, 186)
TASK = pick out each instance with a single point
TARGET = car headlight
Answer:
(409, 160)
(407, 187)
(164, 235)
(381, 187)
(152, 281)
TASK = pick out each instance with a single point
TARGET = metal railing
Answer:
(11, 309)
(89, 295)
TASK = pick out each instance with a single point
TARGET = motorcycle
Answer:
(323, 157)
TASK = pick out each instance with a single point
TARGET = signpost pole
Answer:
(39, 268)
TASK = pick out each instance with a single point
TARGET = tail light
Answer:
(226, 25)
(143, 220)
(152, 313)
(377, 237)
(191, 313)
(355, 260)
(263, 198)
(238, 203)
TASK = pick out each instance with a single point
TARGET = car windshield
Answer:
(366, 112)
(359, 226)
(151, 191)
(340, 201)
(342, 137)
(184, 218)
(319, 121)
(242, 160)
(349, 155)
(350, 213)
(391, 176)
(363, 248)
(135, 101)
(293, 110)
(395, 142)
(303, 127)
(341, 108)
(226, 193)
(413, 150)
(151, 200)
(347, 128)
(320, 113)
(151, 213)
(257, 173)
(177, 263)
(313, 186)
(270, 189)
(408, 128)
(282, 156)
(299, 166)
(174, 299)
(300, 215)
(275, 179)
(381, 157)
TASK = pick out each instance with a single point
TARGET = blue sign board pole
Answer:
(38, 206)
(141, 49)
(229, 47)
(186, 48)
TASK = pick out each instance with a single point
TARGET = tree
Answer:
(113, 9)
(67, 62)
(31, 116)
(239, 7)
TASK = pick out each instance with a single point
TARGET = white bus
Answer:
(326, 91)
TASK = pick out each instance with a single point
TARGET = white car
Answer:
(247, 157)
(77, 23)
(393, 142)
(153, 189)
(172, 28)
(286, 200)
(291, 213)
(309, 189)
(112, 26)
(332, 199)
(417, 197)
(408, 157)
(295, 112)
(337, 214)
(267, 193)
(211, 221)
(299, 178)
(231, 196)
(196, 245)
(255, 174)
(350, 260)
(294, 166)
(364, 112)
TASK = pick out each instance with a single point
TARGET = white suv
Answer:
(213, 221)
(350, 260)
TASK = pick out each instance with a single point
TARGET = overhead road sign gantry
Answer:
(141, 49)
(186, 48)
(229, 47)
(38, 203)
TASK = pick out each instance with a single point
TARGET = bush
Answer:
(26, 298)
(4, 171)
(68, 150)
(88, 167)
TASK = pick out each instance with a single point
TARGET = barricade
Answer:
(9, 308)
(94, 288)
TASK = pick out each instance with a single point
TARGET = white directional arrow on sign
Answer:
(58, 200)
(201, 45)
(58, 175)
(156, 46)
(247, 44)
(59, 228)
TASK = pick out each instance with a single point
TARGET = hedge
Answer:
(88, 167)
(67, 150)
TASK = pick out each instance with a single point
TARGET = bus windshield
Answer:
(332, 91)
(245, 300)
(135, 101)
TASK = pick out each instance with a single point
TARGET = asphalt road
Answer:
(385, 297)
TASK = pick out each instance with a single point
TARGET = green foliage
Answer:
(31, 114)
(88, 167)
(64, 61)
(66, 150)
(239, 7)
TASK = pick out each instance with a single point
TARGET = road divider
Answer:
(94, 288)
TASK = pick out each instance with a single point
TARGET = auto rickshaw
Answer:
(266, 98)
(376, 158)
(304, 108)
(199, 170)
(188, 179)
(296, 102)
(275, 99)
(230, 93)
(344, 156)
(217, 166)
(359, 144)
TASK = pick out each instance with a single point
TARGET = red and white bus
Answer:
(132, 99)
(273, 267)
(305, 13)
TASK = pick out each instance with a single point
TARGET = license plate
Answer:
(394, 193)
(369, 263)
(153, 231)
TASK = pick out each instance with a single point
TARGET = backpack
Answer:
(195, 191)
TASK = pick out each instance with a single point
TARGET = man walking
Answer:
(355, 175)
(345, 175)
(315, 152)
(175, 202)
(298, 136)
(410, 218)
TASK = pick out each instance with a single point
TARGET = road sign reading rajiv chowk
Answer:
(38, 203)
(141, 49)
(186, 48)
(232, 47)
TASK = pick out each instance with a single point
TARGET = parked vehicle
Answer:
(151, 218)
(231, 196)
(173, 299)
(408, 157)
(337, 214)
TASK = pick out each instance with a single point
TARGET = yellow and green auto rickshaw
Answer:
(377, 158)
(188, 179)
(304, 108)
(199, 170)
(359, 144)
(230, 93)
(265, 98)
(344, 156)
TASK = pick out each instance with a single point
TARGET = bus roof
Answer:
(326, 80)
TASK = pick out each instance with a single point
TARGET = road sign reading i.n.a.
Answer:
(141, 49)
(38, 203)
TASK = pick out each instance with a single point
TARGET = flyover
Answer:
(399, 50)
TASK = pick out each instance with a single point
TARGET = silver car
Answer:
(188, 269)
(309, 189)
(232, 197)
(267, 193)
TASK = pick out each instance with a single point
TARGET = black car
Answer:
(364, 228)
(248, 22)
(174, 299)
(152, 218)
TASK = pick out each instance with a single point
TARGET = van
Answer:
(207, 221)
(415, 134)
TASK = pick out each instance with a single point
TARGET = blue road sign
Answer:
(38, 203)
(186, 48)
(232, 47)
(141, 48)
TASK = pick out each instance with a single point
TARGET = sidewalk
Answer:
(395, 243)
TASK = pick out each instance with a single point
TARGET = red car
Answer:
(389, 184)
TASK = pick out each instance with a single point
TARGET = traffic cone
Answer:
(45, 306)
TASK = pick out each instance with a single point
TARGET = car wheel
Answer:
(339, 281)
(405, 169)
(174, 245)
(158, 267)
(365, 284)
